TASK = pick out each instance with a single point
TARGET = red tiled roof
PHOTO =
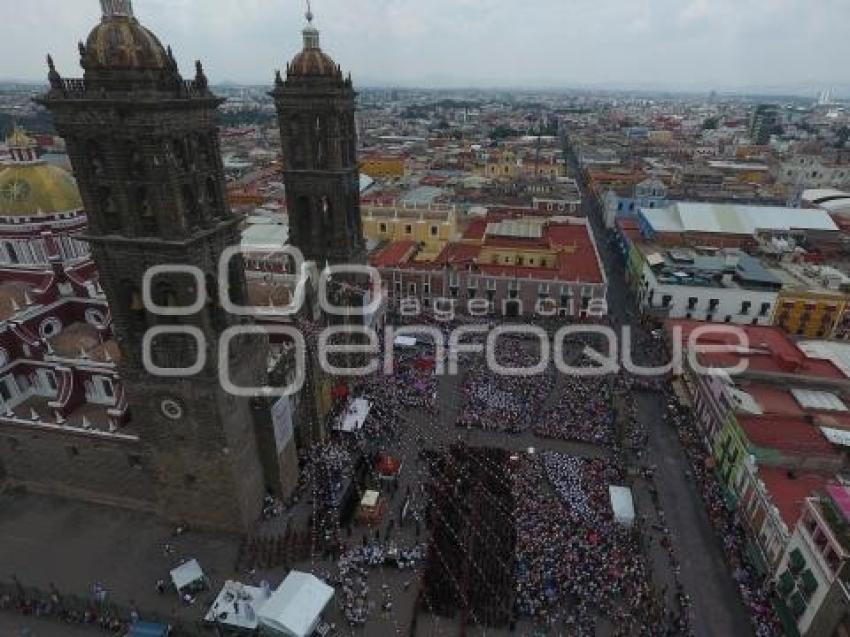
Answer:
(770, 350)
(459, 253)
(395, 254)
(788, 435)
(788, 493)
(629, 227)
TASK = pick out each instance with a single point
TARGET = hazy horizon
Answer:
(775, 46)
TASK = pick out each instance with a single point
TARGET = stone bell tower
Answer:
(315, 107)
(144, 146)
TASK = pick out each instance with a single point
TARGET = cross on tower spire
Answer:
(311, 33)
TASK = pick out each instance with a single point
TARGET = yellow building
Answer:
(812, 300)
(431, 226)
(508, 164)
(384, 166)
(808, 313)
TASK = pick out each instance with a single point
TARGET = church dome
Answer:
(121, 42)
(312, 62)
(30, 187)
(36, 189)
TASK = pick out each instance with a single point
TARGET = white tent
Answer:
(404, 341)
(295, 608)
(623, 505)
(353, 418)
(237, 605)
(187, 575)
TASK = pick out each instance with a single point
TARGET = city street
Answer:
(717, 608)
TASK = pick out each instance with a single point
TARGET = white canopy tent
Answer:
(404, 341)
(295, 608)
(237, 606)
(353, 418)
(623, 505)
(188, 575)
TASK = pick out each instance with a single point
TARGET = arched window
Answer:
(110, 218)
(147, 216)
(95, 157)
(213, 199)
(131, 301)
(236, 281)
(12, 253)
(190, 206)
(137, 166)
(181, 155)
(320, 142)
(204, 152)
(217, 315)
(327, 214)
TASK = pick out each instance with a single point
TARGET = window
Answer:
(408, 229)
(435, 231)
(728, 319)
(745, 307)
(665, 300)
(411, 289)
(426, 288)
(692, 303)
(712, 304)
(765, 308)
(382, 228)
(491, 284)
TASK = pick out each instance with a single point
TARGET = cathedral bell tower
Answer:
(315, 107)
(144, 146)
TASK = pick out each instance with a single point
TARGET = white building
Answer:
(811, 171)
(724, 287)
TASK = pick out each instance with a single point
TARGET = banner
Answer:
(282, 421)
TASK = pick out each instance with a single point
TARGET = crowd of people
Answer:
(754, 593)
(575, 564)
(93, 613)
(500, 402)
(583, 413)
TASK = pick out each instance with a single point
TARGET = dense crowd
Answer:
(583, 413)
(505, 403)
(752, 588)
(575, 563)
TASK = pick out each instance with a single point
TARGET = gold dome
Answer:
(121, 42)
(27, 190)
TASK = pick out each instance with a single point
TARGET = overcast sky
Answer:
(685, 44)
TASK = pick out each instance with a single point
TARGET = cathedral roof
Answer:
(121, 42)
